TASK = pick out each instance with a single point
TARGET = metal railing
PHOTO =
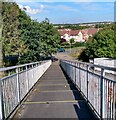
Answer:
(98, 87)
(17, 84)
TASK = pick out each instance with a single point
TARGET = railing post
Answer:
(102, 94)
(32, 66)
(65, 67)
(27, 80)
(75, 73)
(18, 88)
(87, 79)
(1, 102)
(79, 76)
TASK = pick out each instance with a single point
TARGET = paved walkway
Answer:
(54, 96)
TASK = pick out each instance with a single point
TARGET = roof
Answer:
(68, 31)
(89, 31)
(92, 31)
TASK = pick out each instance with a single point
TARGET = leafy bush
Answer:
(102, 44)
(65, 45)
(79, 44)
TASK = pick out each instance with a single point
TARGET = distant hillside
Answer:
(107, 22)
(81, 26)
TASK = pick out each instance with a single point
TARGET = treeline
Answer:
(24, 38)
(73, 27)
(84, 26)
(105, 25)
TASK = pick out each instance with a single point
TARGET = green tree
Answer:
(42, 38)
(72, 41)
(1, 47)
(25, 37)
(105, 26)
(12, 44)
(30, 35)
(11, 41)
(50, 38)
(102, 44)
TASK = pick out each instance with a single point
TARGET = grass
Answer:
(76, 52)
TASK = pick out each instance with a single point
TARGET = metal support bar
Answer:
(27, 80)
(102, 94)
(75, 73)
(18, 88)
(79, 76)
(1, 102)
(87, 79)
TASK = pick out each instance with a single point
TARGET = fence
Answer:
(98, 88)
(14, 87)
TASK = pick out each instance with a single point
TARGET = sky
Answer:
(69, 11)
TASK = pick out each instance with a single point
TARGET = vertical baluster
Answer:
(107, 97)
(87, 81)
(114, 102)
(18, 86)
(27, 80)
(102, 113)
(1, 102)
(75, 73)
(79, 76)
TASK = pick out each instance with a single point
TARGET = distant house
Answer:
(77, 35)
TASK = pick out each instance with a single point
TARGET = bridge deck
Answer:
(54, 96)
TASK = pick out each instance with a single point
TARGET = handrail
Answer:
(93, 65)
(97, 87)
(14, 87)
(94, 73)
(18, 66)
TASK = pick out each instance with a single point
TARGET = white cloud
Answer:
(20, 6)
(30, 10)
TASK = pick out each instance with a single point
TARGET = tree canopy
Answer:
(11, 41)
(27, 38)
(41, 39)
(1, 46)
(102, 44)
(105, 26)
(72, 41)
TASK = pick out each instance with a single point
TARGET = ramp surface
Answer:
(54, 96)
